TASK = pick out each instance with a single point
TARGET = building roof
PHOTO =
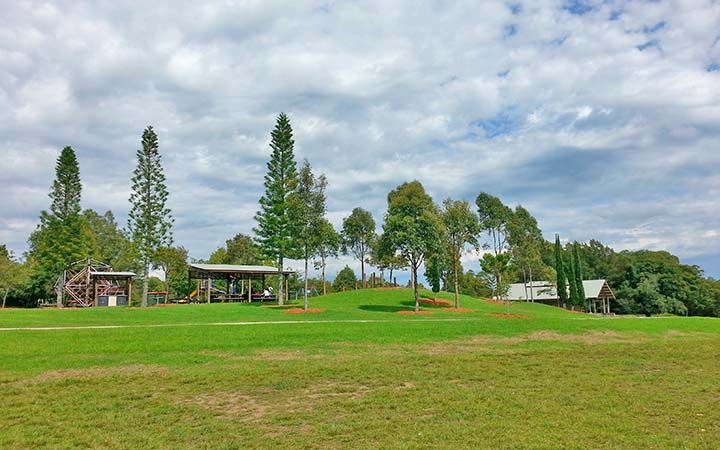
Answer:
(544, 290)
(197, 269)
(100, 273)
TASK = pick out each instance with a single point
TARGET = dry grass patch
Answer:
(97, 372)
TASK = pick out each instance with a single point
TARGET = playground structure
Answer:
(88, 282)
(239, 282)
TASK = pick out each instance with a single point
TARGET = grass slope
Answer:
(553, 379)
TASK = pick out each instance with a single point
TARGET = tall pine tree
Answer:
(561, 276)
(274, 229)
(150, 220)
(62, 236)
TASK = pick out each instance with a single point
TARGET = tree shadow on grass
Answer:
(383, 308)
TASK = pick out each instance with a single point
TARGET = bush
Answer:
(345, 280)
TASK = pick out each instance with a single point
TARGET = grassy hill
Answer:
(359, 374)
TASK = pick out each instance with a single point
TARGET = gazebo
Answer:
(233, 274)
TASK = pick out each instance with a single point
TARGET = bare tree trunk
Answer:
(532, 295)
(362, 269)
(415, 287)
(146, 273)
(281, 298)
(457, 285)
(4, 298)
(323, 277)
(306, 283)
(391, 278)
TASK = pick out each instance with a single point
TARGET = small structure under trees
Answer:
(92, 283)
(598, 294)
(239, 280)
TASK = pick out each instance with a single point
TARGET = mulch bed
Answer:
(510, 316)
(303, 311)
(412, 313)
(496, 302)
(460, 310)
(435, 302)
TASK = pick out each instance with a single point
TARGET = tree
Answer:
(329, 242)
(495, 267)
(461, 229)
(345, 280)
(13, 274)
(240, 249)
(109, 243)
(434, 266)
(578, 272)
(561, 277)
(384, 257)
(493, 217)
(274, 234)
(526, 242)
(307, 212)
(173, 263)
(358, 234)
(412, 227)
(62, 236)
(150, 220)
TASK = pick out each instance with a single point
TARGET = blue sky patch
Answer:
(577, 7)
(648, 44)
(713, 67)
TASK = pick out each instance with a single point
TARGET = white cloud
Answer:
(592, 132)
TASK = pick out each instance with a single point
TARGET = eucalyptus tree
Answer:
(307, 211)
(358, 237)
(461, 230)
(329, 242)
(412, 228)
(150, 220)
(494, 217)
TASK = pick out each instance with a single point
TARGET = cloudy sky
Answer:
(600, 117)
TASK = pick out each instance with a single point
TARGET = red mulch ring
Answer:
(460, 310)
(412, 313)
(510, 316)
(436, 302)
(303, 311)
(496, 302)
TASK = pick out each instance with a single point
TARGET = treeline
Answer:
(416, 232)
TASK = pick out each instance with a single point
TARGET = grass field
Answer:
(357, 375)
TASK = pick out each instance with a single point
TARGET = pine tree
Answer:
(307, 211)
(274, 234)
(150, 220)
(580, 289)
(561, 280)
(62, 236)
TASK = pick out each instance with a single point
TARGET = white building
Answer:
(597, 293)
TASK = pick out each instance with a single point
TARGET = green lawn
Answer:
(358, 375)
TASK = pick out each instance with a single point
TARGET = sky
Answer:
(602, 118)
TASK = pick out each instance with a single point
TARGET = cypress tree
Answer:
(274, 233)
(578, 275)
(60, 239)
(561, 280)
(572, 280)
(150, 220)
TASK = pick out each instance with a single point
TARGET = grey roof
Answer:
(544, 290)
(111, 274)
(236, 268)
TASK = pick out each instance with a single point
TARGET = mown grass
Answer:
(553, 379)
